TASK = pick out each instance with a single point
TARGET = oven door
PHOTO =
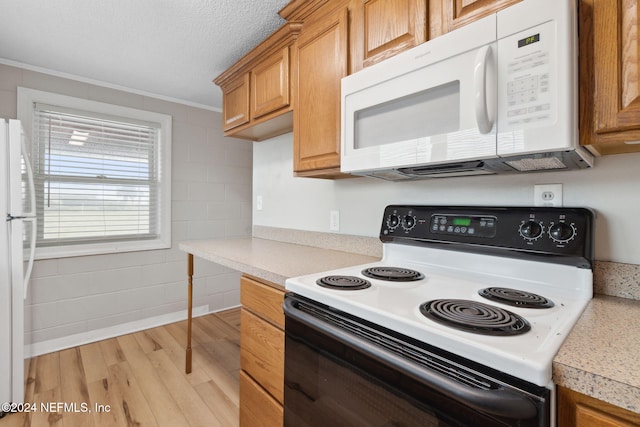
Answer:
(344, 371)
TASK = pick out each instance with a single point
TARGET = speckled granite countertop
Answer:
(600, 358)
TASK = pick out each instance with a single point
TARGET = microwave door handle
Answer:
(480, 80)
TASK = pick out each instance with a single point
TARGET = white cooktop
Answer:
(458, 275)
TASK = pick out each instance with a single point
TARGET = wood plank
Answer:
(178, 330)
(47, 372)
(93, 362)
(232, 317)
(214, 327)
(227, 382)
(191, 404)
(124, 389)
(175, 351)
(163, 406)
(225, 353)
(73, 388)
(51, 418)
(111, 352)
(15, 420)
(225, 409)
(106, 404)
(147, 342)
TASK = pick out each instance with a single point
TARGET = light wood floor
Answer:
(141, 377)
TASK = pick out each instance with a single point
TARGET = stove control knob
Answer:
(408, 222)
(530, 230)
(562, 232)
(393, 221)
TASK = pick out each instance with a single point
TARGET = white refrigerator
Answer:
(17, 248)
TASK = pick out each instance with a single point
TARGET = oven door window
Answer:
(331, 383)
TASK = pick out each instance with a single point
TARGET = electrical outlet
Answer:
(547, 195)
(258, 203)
(334, 220)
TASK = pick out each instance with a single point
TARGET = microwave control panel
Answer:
(530, 83)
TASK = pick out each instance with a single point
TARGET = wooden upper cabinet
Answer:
(235, 102)
(609, 70)
(447, 15)
(270, 83)
(322, 54)
(256, 91)
(383, 28)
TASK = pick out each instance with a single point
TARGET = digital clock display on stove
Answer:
(477, 226)
(465, 222)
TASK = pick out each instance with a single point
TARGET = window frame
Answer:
(26, 100)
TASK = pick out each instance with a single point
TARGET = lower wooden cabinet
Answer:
(261, 354)
(257, 407)
(578, 410)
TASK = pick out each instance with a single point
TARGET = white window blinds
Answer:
(97, 177)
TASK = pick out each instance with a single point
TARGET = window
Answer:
(102, 175)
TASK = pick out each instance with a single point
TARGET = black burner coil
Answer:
(515, 297)
(476, 317)
(345, 283)
(393, 274)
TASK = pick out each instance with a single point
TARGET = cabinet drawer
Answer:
(257, 409)
(262, 353)
(262, 300)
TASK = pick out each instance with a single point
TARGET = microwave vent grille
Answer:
(531, 164)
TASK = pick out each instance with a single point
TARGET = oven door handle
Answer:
(501, 401)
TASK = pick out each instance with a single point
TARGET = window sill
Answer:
(99, 249)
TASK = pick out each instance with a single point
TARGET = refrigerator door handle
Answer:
(30, 179)
(32, 253)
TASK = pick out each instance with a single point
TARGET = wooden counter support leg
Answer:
(187, 368)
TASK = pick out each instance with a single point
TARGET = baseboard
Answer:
(57, 344)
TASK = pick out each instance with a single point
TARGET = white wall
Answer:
(79, 297)
(611, 188)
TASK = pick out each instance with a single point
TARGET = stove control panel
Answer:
(469, 225)
(565, 234)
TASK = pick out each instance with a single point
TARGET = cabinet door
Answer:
(262, 353)
(453, 14)
(235, 105)
(383, 28)
(322, 62)
(609, 70)
(258, 409)
(270, 84)
(578, 410)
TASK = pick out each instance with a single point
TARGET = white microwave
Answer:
(496, 96)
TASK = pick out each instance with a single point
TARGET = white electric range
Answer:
(499, 286)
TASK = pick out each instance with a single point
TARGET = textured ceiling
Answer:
(171, 48)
